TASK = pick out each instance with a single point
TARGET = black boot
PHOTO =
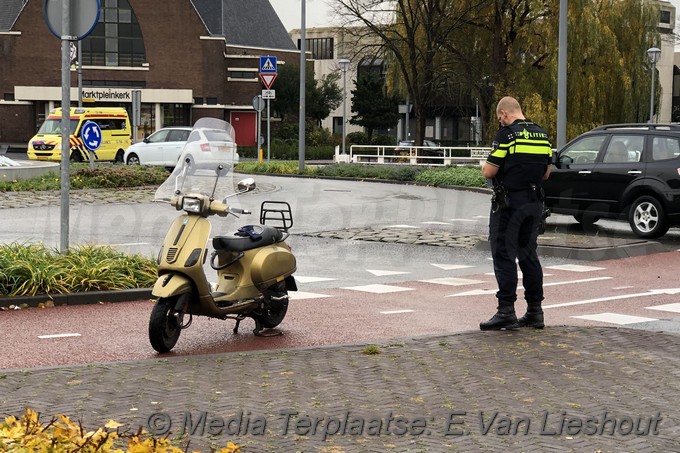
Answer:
(533, 317)
(504, 319)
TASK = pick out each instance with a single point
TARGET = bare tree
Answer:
(410, 35)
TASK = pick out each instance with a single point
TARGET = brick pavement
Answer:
(561, 389)
(548, 390)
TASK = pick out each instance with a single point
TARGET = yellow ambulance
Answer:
(113, 122)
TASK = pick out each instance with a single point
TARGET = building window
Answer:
(176, 115)
(116, 39)
(665, 17)
(249, 75)
(115, 83)
(321, 48)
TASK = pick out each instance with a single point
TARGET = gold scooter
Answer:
(254, 266)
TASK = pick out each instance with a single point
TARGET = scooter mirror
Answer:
(246, 185)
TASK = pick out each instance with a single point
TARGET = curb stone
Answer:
(81, 298)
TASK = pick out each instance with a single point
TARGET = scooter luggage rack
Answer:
(277, 214)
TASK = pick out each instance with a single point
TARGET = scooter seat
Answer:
(261, 235)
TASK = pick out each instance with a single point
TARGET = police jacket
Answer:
(522, 152)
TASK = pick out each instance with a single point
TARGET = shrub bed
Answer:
(103, 176)
(32, 269)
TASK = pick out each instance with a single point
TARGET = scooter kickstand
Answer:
(238, 321)
(268, 332)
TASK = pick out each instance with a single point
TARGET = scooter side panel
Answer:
(272, 264)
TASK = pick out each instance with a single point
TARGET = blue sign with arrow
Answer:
(91, 134)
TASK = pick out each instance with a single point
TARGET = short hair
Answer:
(509, 104)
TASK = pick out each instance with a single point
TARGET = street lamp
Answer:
(653, 53)
(344, 65)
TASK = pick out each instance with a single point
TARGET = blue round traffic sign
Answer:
(91, 134)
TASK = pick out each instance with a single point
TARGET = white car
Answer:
(163, 147)
(207, 145)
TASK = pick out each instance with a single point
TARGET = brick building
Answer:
(189, 58)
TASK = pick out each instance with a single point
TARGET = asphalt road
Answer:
(350, 290)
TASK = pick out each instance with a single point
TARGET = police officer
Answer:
(519, 161)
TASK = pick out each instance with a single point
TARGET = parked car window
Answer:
(664, 148)
(617, 152)
(624, 148)
(177, 136)
(583, 151)
(160, 136)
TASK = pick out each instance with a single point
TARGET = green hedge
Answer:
(437, 176)
(288, 150)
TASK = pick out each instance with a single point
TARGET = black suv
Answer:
(620, 171)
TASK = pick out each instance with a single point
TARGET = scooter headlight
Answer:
(192, 205)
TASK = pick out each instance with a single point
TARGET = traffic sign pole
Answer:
(268, 73)
(68, 24)
(65, 124)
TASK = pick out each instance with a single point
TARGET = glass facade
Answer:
(116, 39)
(321, 48)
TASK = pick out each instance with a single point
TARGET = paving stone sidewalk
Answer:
(80, 197)
(580, 389)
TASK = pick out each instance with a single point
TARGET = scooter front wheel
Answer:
(164, 328)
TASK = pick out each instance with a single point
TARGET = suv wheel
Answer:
(647, 218)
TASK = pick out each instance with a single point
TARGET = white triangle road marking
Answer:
(380, 273)
(615, 318)
(300, 295)
(450, 267)
(305, 279)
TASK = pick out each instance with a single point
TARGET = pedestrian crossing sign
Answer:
(268, 65)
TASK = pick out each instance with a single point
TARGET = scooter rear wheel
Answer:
(163, 327)
(273, 315)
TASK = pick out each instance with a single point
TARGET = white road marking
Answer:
(474, 292)
(379, 273)
(394, 312)
(450, 267)
(299, 295)
(435, 223)
(615, 318)
(483, 292)
(379, 289)
(583, 280)
(402, 226)
(575, 268)
(303, 279)
(58, 335)
(653, 292)
(674, 308)
(451, 281)
(129, 244)
(462, 220)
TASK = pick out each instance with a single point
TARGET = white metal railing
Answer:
(413, 155)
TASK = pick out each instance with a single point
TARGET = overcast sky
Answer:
(318, 13)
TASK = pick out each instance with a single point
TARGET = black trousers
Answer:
(513, 233)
